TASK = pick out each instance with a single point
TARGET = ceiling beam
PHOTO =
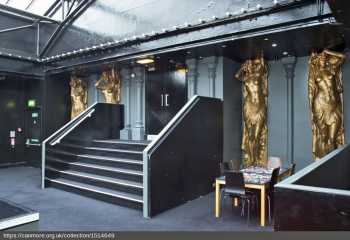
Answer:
(25, 14)
(83, 5)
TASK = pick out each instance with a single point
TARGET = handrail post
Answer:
(43, 159)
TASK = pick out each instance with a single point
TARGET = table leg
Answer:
(262, 206)
(235, 202)
(217, 199)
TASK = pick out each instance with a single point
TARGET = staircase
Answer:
(108, 170)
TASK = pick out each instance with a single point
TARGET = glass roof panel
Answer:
(38, 7)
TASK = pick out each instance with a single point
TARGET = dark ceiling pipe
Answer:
(52, 8)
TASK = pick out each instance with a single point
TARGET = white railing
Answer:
(70, 126)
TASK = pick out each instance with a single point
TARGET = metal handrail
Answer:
(70, 126)
(58, 140)
(171, 125)
(147, 152)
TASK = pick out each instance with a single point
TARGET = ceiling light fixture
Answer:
(145, 61)
(285, 53)
(274, 45)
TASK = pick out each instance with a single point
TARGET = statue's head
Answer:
(77, 84)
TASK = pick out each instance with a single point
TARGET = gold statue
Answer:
(326, 102)
(78, 95)
(110, 86)
(253, 74)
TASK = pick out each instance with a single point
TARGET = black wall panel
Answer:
(186, 163)
(57, 102)
(14, 93)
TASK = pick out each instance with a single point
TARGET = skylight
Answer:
(38, 7)
(49, 8)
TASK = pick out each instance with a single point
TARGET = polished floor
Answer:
(63, 211)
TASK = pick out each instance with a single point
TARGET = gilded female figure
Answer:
(253, 74)
(110, 86)
(78, 96)
(326, 102)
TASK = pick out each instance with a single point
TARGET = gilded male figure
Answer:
(78, 95)
(253, 74)
(326, 102)
(110, 86)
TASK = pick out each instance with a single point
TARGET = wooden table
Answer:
(260, 186)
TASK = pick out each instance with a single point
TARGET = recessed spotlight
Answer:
(266, 39)
(223, 46)
(188, 52)
(285, 53)
(274, 45)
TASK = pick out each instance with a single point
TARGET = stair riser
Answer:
(98, 183)
(99, 161)
(98, 196)
(124, 146)
(119, 175)
(136, 156)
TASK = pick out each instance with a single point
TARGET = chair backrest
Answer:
(274, 179)
(234, 165)
(274, 162)
(292, 169)
(224, 166)
(234, 179)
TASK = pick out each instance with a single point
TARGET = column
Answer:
(192, 76)
(126, 76)
(138, 130)
(289, 68)
(212, 65)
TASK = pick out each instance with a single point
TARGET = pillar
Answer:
(192, 75)
(212, 65)
(126, 84)
(289, 68)
(138, 130)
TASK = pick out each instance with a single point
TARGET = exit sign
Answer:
(31, 103)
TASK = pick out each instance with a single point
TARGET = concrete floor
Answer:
(64, 211)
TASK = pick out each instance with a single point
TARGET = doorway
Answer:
(166, 94)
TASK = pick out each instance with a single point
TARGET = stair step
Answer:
(120, 144)
(99, 148)
(100, 193)
(103, 151)
(112, 169)
(96, 180)
(99, 170)
(120, 141)
(97, 160)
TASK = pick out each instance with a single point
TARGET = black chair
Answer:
(273, 182)
(292, 169)
(235, 165)
(234, 187)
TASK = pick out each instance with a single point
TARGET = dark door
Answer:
(12, 120)
(166, 94)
